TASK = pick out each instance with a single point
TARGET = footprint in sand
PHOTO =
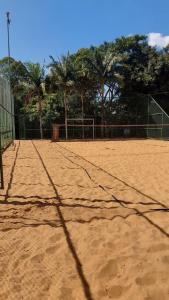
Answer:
(3, 267)
(109, 270)
(147, 279)
(110, 245)
(21, 259)
(66, 294)
(17, 288)
(16, 264)
(2, 253)
(157, 295)
(96, 243)
(116, 291)
(37, 258)
(24, 256)
(45, 284)
(5, 294)
(158, 247)
(55, 238)
(51, 250)
(165, 259)
(25, 246)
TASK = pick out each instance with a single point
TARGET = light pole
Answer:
(8, 21)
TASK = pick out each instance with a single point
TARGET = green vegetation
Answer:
(99, 82)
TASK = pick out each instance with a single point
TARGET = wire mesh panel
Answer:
(6, 114)
(121, 131)
(157, 116)
(6, 120)
(78, 128)
(135, 110)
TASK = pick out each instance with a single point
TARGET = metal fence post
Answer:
(93, 130)
(1, 165)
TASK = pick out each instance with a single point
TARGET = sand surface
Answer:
(85, 220)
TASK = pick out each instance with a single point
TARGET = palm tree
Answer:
(103, 66)
(62, 77)
(36, 79)
(83, 85)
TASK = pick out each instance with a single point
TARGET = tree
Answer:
(104, 66)
(111, 79)
(36, 87)
(17, 72)
(61, 75)
(140, 65)
(84, 84)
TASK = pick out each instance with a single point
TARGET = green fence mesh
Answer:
(158, 117)
(6, 119)
(146, 117)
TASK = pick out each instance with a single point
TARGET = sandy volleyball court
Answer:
(85, 220)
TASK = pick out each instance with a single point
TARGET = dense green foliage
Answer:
(98, 82)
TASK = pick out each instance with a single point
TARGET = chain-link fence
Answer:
(6, 120)
(158, 117)
(140, 116)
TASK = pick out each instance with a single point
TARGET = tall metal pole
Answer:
(8, 34)
(8, 20)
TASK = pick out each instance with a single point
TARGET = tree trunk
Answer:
(102, 111)
(40, 119)
(65, 105)
(82, 100)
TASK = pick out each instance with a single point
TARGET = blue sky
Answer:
(41, 28)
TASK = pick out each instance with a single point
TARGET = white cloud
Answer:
(157, 39)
